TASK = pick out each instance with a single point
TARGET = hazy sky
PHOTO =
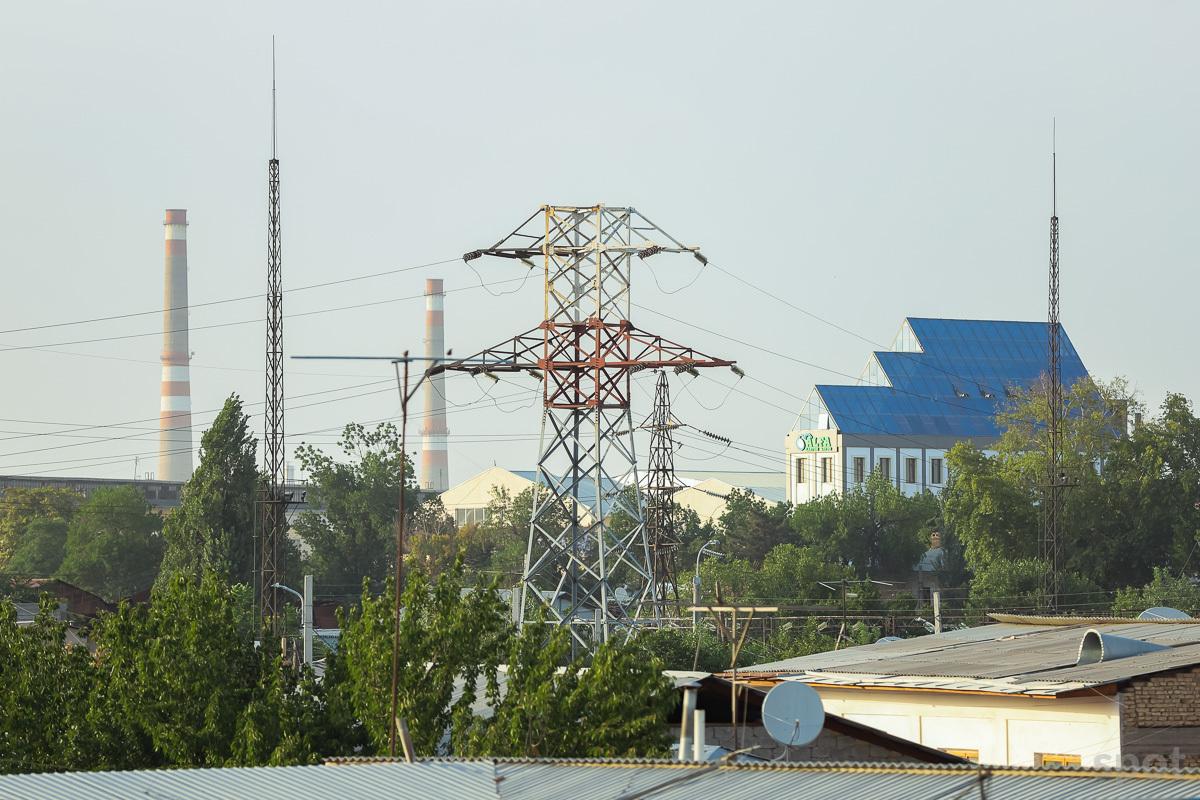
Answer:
(864, 162)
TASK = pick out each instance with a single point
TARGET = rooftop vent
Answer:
(1098, 647)
(1162, 612)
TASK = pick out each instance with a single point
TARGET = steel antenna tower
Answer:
(1055, 483)
(584, 352)
(661, 485)
(272, 502)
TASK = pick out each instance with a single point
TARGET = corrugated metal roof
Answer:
(534, 780)
(1006, 658)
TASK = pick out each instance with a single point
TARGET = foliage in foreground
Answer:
(181, 682)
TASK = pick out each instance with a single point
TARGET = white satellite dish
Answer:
(1162, 612)
(793, 714)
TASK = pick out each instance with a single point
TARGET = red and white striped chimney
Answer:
(175, 408)
(435, 464)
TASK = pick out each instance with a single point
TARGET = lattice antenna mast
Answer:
(1055, 483)
(661, 485)
(584, 352)
(272, 505)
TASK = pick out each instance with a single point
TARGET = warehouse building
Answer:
(941, 382)
(704, 492)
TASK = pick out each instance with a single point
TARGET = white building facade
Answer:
(942, 382)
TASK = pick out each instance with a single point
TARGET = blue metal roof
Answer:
(955, 384)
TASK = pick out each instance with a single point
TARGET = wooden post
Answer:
(410, 753)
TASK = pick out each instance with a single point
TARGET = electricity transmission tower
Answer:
(272, 502)
(1055, 478)
(584, 352)
(661, 485)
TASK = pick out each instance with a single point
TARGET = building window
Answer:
(935, 471)
(885, 466)
(800, 476)
(910, 470)
(825, 470)
(962, 752)
(860, 469)
(469, 516)
(1055, 760)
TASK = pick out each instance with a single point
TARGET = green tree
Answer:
(446, 637)
(113, 544)
(213, 528)
(19, 507)
(1149, 495)
(43, 695)
(874, 528)
(1164, 589)
(354, 536)
(790, 573)
(505, 528)
(994, 519)
(751, 526)
(1014, 585)
(616, 706)
(41, 549)
(176, 684)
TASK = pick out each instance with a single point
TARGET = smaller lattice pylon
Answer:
(661, 486)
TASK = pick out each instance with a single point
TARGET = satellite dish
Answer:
(792, 713)
(1162, 612)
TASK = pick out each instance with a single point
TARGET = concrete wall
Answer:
(1004, 730)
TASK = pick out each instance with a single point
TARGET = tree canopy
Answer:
(354, 536)
(213, 528)
(113, 546)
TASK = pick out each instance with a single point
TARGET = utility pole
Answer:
(272, 502)
(1055, 478)
(397, 730)
(585, 351)
(402, 384)
(661, 485)
(736, 640)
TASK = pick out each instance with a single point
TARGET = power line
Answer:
(321, 285)
(256, 321)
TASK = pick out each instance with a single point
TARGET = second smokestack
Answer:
(175, 397)
(435, 463)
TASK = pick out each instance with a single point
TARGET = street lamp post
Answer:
(704, 550)
(306, 613)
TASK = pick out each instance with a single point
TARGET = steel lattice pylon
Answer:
(585, 350)
(661, 485)
(272, 506)
(1050, 550)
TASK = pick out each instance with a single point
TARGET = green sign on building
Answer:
(808, 443)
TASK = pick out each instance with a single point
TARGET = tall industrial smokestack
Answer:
(435, 465)
(175, 409)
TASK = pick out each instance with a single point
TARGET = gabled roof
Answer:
(946, 377)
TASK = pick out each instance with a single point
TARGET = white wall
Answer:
(1005, 730)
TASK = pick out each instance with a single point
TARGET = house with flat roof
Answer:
(1024, 691)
